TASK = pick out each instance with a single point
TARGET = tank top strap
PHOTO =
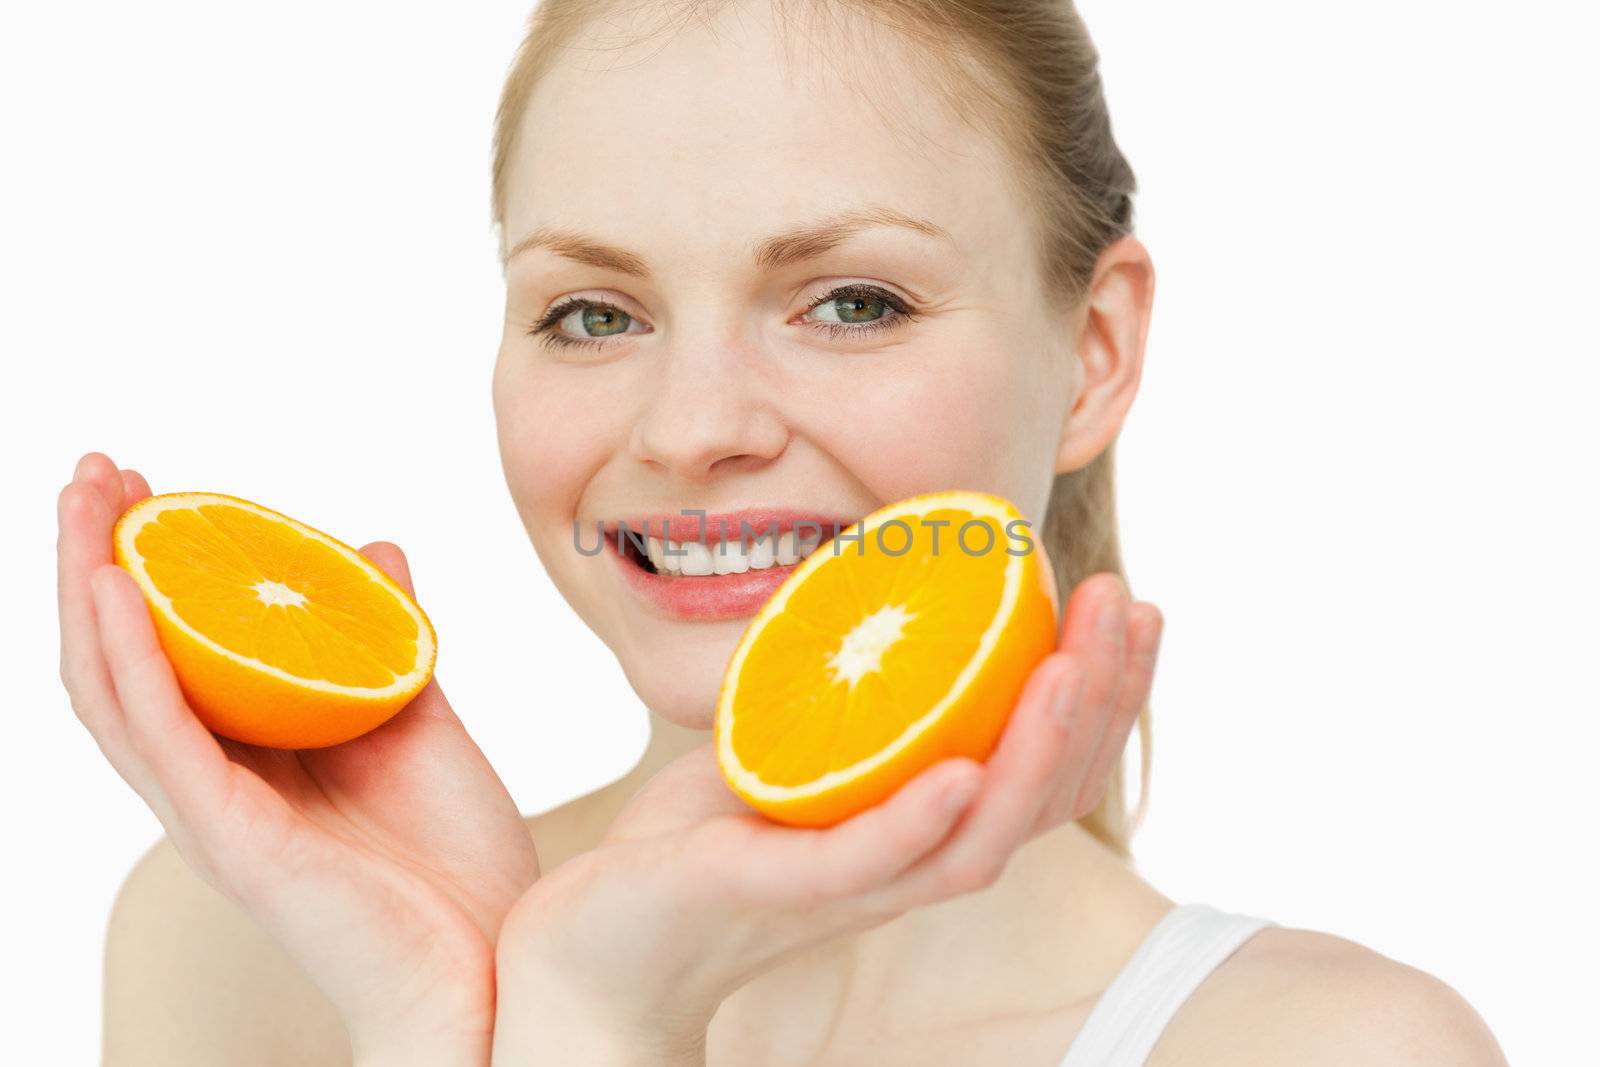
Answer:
(1185, 946)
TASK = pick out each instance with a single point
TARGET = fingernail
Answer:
(1063, 698)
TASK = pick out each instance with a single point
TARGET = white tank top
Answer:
(1189, 942)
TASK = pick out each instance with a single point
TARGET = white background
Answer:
(247, 249)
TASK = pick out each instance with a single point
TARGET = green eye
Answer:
(583, 322)
(858, 308)
(601, 321)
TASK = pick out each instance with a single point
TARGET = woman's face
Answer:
(692, 204)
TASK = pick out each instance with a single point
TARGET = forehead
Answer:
(719, 130)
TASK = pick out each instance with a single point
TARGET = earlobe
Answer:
(1110, 346)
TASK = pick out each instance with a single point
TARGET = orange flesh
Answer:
(938, 602)
(320, 618)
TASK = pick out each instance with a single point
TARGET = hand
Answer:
(383, 865)
(623, 954)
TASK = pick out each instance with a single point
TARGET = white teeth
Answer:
(729, 558)
(787, 552)
(763, 553)
(696, 558)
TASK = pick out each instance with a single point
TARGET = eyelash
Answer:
(902, 313)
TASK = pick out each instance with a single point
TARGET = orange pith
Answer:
(883, 654)
(280, 635)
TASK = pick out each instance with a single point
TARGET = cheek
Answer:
(969, 421)
(549, 454)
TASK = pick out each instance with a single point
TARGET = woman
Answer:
(817, 256)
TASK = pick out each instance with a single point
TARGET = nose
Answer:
(710, 414)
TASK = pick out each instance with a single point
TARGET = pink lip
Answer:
(711, 597)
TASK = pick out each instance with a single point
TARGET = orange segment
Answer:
(883, 654)
(280, 634)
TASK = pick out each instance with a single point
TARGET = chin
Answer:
(681, 680)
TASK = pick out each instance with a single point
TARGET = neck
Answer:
(579, 827)
(667, 742)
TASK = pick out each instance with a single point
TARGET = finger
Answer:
(97, 469)
(183, 757)
(429, 705)
(392, 561)
(1095, 632)
(83, 544)
(1046, 728)
(134, 488)
(1144, 639)
(869, 849)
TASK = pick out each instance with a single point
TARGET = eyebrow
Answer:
(780, 250)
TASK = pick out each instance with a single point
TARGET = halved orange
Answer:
(904, 640)
(279, 634)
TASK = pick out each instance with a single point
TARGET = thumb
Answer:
(685, 792)
(430, 702)
(392, 561)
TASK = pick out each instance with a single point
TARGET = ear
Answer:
(1110, 348)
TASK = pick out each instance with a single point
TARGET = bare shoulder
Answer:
(1314, 999)
(190, 978)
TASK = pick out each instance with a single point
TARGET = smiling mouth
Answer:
(691, 559)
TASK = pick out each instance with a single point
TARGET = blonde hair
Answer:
(1026, 71)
